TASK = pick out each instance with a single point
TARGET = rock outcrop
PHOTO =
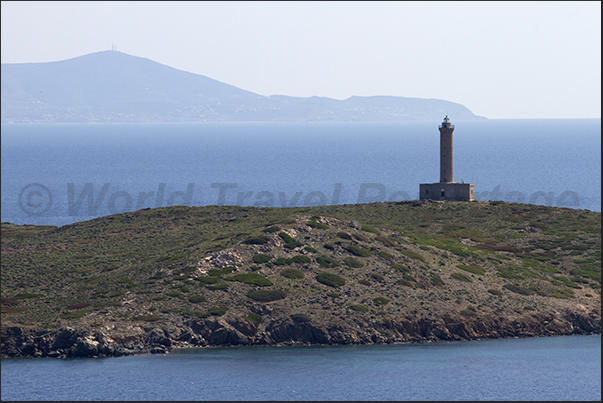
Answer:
(69, 342)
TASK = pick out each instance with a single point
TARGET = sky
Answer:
(502, 60)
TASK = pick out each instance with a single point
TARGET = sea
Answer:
(563, 368)
(59, 174)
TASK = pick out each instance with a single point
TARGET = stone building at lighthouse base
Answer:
(446, 191)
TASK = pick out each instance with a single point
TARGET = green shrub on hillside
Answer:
(79, 306)
(261, 258)
(518, 289)
(198, 314)
(292, 273)
(218, 311)
(567, 282)
(550, 269)
(196, 298)
(381, 301)
(412, 255)
(436, 280)
(353, 249)
(562, 293)
(405, 283)
(300, 259)
(588, 271)
(253, 317)
(73, 314)
(400, 267)
(256, 240)
(219, 272)
(188, 270)
(282, 261)
(286, 237)
(385, 240)
(472, 268)
(208, 280)
(359, 308)
(325, 261)
(181, 288)
(456, 249)
(355, 263)
(385, 255)
(252, 278)
(359, 237)
(461, 277)
(267, 295)
(315, 224)
(215, 287)
(370, 229)
(330, 279)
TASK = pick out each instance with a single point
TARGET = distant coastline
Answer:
(112, 86)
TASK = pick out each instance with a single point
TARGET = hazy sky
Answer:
(499, 59)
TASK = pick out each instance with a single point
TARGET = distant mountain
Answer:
(111, 86)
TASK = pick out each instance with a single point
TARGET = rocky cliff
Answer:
(69, 342)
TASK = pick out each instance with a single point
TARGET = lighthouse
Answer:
(446, 158)
(447, 188)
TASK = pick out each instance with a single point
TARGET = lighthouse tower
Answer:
(447, 188)
(446, 159)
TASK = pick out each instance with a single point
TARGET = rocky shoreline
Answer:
(66, 342)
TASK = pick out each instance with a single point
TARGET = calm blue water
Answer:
(548, 368)
(62, 173)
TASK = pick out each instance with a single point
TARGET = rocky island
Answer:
(394, 272)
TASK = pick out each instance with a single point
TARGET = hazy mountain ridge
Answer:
(111, 86)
